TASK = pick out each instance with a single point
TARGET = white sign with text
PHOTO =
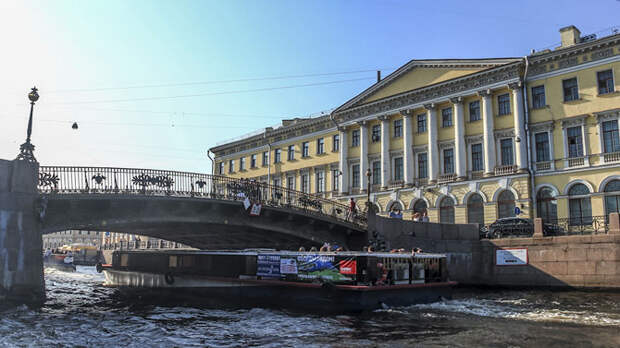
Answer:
(511, 257)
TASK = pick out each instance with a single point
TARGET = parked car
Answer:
(510, 227)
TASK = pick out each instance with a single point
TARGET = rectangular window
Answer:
(242, 163)
(571, 91)
(605, 81)
(276, 182)
(474, 111)
(355, 175)
(305, 183)
(477, 163)
(290, 153)
(446, 117)
(422, 123)
(506, 151)
(542, 147)
(355, 138)
(398, 128)
(336, 143)
(278, 156)
(305, 149)
(448, 161)
(376, 172)
(290, 183)
(320, 181)
(575, 142)
(253, 161)
(221, 168)
(398, 169)
(611, 143)
(422, 165)
(538, 97)
(376, 133)
(320, 143)
(265, 158)
(503, 104)
(335, 179)
(231, 166)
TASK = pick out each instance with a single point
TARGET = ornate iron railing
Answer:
(103, 180)
(576, 225)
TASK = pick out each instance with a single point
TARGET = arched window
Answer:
(506, 205)
(395, 206)
(446, 210)
(475, 209)
(612, 197)
(580, 208)
(419, 206)
(547, 205)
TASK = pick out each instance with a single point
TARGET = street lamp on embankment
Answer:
(26, 150)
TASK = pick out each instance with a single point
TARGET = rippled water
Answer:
(81, 312)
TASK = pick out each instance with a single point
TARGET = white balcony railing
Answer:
(476, 175)
(446, 178)
(575, 162)
(505, 170)
(611, 157)
(541, 166)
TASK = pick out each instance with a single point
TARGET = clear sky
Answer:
(154, 84)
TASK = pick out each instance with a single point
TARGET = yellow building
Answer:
(467, 140)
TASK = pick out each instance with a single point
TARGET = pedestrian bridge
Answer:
(199, 210)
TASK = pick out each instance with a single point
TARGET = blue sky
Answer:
(154, 84)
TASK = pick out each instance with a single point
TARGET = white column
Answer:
(343, 165)
(363, 153)
(385, 151)
(519, 124)
(407, 149)
(433, 150)
(488, 135)
(459, 138)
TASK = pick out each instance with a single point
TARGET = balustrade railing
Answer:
(611, 157)
(444, 178)
(101, 180)
(540, 166)
(575, 162)
(504, 170)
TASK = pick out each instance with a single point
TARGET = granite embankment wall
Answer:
(563, 261)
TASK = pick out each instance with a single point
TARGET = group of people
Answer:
(420, 217)
(325, 248)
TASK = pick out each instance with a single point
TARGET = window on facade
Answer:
(242, 163)
(422, 165)
(355, 175)
(477, 163)
(291, 153)
(398, 169)
(355, 138)
(474, 111)
(253, 161)
(335, 180)
(506, 204)
(290, 183)
(448, 161)
(612, 197)
(422, 123)
(419, 206)
(276, 182)
(475, 209)
(376, 172)
(538, 97)
(376, 133)
(336, 143)
(265, 158)
(605, 81)
(231, 166)
(446, 117)
(446, 210)
(579, 205)
(575, 142)
(221, 172)
(278, 156)
(320, 146)
(305, 183)
(398, 128)
(503, 104)
(542, 147)
(571, 91)
(320, 181)
(547, 205)
(506, 150)
(611, 140)
(305, 149)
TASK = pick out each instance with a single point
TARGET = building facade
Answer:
(466, 140)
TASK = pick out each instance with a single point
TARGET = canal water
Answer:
(81, 312)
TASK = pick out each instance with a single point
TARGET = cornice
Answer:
(541, 126)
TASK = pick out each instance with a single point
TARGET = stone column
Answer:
(407, 149)
(488, 135)
(433, 150)
(363, 153)
(343, 186)
(519, 124)
(21, 261)
(459, 139)
(385, 151)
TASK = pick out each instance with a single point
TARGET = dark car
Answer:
(510, 227)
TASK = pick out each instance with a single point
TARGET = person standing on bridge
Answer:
(351, 209)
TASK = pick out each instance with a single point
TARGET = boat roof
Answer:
(254, 252)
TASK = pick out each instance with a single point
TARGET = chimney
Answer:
(570, 36)
(378, 75)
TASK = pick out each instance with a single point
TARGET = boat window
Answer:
(124, 260)
(172, 261)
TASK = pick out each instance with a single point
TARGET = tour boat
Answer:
(324, 281)
(61, 262)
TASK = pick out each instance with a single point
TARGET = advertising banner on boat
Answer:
(511, 257)
(288, 265)
(319, 266)
(348, 266)
(268, 266)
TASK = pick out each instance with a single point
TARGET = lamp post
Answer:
(368, 175)
(26, 149)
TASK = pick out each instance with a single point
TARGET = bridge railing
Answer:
(105, 180)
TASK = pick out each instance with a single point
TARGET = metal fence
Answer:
(104, 180)
(576, 225)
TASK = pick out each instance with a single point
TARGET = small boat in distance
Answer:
(59, 261)
(318, 281)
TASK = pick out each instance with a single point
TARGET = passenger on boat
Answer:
(313, 249)
(301, 248)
